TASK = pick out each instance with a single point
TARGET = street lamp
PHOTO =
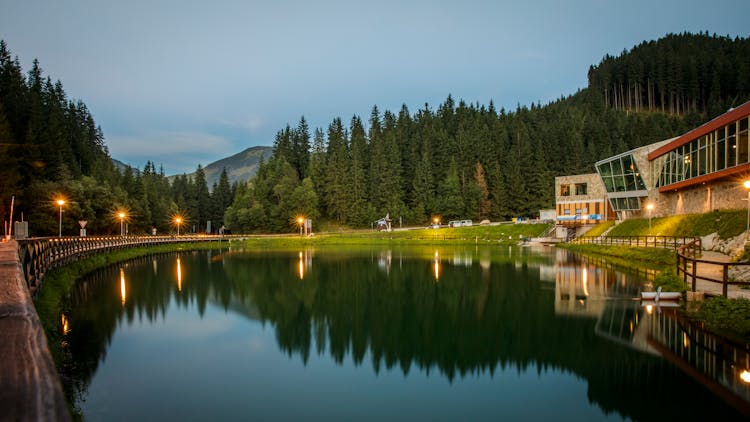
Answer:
(747, 186)
(649, 207)
(60, 202)
(122, 217)
(178, 221)
(300, 220)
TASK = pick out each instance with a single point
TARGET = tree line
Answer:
(457, 161)
(50, 148)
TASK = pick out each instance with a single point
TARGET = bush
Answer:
(669, 281)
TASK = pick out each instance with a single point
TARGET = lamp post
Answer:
(178, 221)
(300, 220)
(122, 217)
(60, 202)
(747, 186)
(649, 207)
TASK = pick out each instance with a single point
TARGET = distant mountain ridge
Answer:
(240, 167)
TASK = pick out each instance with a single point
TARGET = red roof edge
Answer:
(726, 118)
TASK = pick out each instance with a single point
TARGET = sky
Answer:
(183, 82)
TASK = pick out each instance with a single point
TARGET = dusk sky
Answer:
(186, 82)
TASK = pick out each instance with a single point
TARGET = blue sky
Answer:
(183, 82)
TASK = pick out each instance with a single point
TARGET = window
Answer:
(581, 189)
(621, 175)
(564, 190)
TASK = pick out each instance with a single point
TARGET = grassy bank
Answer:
(727, 317)
(652, 258)
(727, 224)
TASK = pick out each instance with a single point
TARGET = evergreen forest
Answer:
(455, 160)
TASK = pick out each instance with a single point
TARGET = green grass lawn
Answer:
(727, 224)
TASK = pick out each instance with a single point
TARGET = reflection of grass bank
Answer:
(652, 258)
(728, 317)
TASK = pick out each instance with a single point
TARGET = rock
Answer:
(708, 242)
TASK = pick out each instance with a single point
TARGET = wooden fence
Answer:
(687, 266)
(644, 241)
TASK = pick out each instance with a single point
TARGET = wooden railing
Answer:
(644, 241)
(687, 266)
(38, 255)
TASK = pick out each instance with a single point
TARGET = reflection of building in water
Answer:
(582, 285)
(719, 364)
(463, 258)
(547, 273)
(384, 260)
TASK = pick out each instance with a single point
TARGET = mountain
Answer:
(240, 167)
(121, 167)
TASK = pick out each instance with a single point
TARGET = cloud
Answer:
(249, 123)
(182, 151)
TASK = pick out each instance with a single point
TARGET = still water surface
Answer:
(399, 334)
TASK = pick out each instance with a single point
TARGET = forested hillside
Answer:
(678, 74)
(461, 160)
(50, 148)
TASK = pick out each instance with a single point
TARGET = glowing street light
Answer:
(747, 186)
(60, 202)
(300, 221)
(178, 221)
(649, 207)
(122, 218)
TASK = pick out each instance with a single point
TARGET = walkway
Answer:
(715, 272)
(30, 385)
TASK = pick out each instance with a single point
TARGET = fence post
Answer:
(694, 270)
(724, 280)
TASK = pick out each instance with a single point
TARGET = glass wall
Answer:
(721, 149)
(621, 174)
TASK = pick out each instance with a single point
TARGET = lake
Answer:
(412, 333)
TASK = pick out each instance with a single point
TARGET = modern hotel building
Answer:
(700, 171)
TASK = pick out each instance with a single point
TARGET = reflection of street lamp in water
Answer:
(60, 202)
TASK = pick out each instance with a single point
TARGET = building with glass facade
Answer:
(700, 171)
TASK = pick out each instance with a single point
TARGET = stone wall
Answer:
(712, 196)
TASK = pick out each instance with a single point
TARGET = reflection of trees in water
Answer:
(473, 319)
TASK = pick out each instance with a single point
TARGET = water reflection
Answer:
(304, 263)
(527, 310)
(123, 293)
(179, 274)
